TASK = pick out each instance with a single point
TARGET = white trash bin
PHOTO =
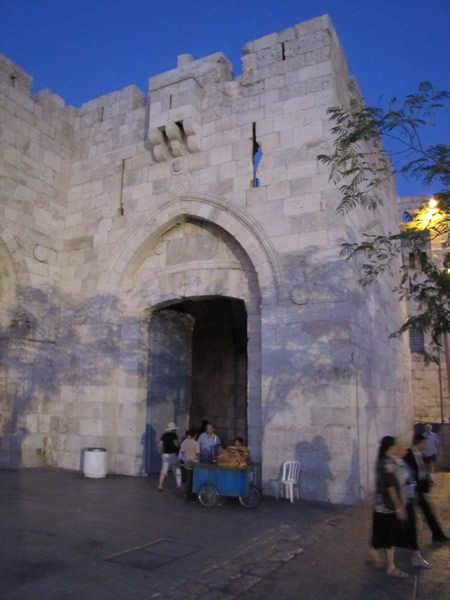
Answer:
(95, 463)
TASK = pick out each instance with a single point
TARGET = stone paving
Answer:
(65, 537)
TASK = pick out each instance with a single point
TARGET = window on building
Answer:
(413, 260)
(416, 341)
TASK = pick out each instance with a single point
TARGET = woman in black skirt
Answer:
(389, 515)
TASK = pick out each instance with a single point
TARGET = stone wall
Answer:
(148, 201)
(430, 384)
(36, 153)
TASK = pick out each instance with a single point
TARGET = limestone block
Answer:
(242, 183)
(306, 169)
(212, 141)
(208, 175)
(254, 102)
(20, 99)
(255, 196)
(250, 116)
(221, 155)
(242, 151)
(294, 102)
(308, 42)
(227, 170)
(270, 176)
(312, 25)
(268, 142)
(209, 128)
(275, 82)
(288, 243)
(278, 191)
(321, 182)
(92, 427)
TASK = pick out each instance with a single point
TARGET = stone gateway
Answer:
(174, 256)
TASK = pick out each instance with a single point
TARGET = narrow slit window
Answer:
(122, 174)
(257, 154)
(283, 51)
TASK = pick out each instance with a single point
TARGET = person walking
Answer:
(389, 513)
(169, 445)
(414, 459)
(189, 454)
(401, 449)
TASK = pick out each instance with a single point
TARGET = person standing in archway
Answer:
(169, 445)
(431, 451)
(210, 445)
(202, 428)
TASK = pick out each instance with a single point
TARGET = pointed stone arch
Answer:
(239, 224)
(258, 262)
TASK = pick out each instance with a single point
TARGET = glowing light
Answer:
(428, 216)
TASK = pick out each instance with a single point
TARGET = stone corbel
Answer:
(175, 139)
(175, 136)
(192, 130)
(160, 149)
(173, 132)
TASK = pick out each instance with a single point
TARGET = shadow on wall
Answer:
(321, 373)
(42, 348)
(314, 457)
(26, 373)
(56, 365)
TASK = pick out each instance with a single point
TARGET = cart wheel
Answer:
(252, 500)
(208, 495)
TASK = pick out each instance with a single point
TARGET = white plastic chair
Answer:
(289, 478)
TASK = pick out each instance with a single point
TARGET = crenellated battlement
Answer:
(14, 76)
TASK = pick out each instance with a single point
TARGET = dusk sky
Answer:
(82, 49)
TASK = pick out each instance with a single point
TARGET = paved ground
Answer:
(64, 537)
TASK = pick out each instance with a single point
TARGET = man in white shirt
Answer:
(210, 444)
(432, 449)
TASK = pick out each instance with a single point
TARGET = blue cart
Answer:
(210, 481)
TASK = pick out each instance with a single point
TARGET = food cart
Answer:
(210, 481)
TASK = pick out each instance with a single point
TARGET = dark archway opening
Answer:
(198, 368)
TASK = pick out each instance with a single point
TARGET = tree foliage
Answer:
(360, 166)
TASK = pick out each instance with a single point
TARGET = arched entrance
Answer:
(197, 369)
(192, 252)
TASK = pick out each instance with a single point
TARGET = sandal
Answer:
(397, 573)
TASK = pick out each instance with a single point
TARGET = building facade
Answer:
(175, 255)
(429, 380)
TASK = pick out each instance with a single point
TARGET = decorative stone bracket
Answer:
(175, 139)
